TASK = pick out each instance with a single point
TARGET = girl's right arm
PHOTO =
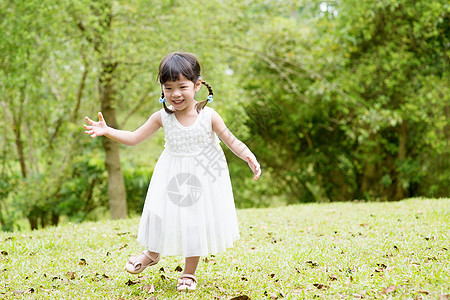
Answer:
(124, 137)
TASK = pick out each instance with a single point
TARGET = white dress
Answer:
(189, 209)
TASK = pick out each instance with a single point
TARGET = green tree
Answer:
(351, 97)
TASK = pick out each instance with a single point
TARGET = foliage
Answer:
(337, 99)
(345, 250)
(358, 96)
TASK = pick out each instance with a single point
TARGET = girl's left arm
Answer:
(235, 145)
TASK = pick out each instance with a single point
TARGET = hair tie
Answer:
(210, 98)
(162, 100)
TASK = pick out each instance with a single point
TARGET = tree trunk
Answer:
(116, 185)
(400, 192)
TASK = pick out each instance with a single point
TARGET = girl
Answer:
(189, 209)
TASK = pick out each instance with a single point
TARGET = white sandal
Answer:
(136, 267)
(186, 282)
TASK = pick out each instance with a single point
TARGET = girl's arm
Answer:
(124, 137)
(235, 145)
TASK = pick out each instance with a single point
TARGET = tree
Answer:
(350, 88)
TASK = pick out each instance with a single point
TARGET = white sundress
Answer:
(189, 209)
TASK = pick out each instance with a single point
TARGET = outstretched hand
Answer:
(254, 166)
(97, 128)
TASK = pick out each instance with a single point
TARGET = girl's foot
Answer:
(137, 264)
(187, 282)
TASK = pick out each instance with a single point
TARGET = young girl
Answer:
(189, 209)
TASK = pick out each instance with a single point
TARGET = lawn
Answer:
(352, 250)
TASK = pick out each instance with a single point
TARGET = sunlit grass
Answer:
(337, 250)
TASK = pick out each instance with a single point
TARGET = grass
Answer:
(351, 250)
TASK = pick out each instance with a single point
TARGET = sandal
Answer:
(136, 267)
(187, 282)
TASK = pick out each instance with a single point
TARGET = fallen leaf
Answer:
(149, 288)
(82, 262)
(320, 286)
(123, 246)
(333, 277)
(20, 292)
(178, 269)
(242, 297)
(105, 277)
(423, 292)
(313, 264)
(273, 296)
(163, 277)
(71, 275)
(129, 282)
(4, 253)
(162, 270)
(389, 289)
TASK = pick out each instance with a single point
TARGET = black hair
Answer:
(181, 63)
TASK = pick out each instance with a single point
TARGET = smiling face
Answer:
(180, 93)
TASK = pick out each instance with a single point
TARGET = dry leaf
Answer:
(124, 246)
(313, 264)
(20, 292)
(82, 262)
(129, 282)
(71, 275)
(149, 288)
(320, 286)
(333, 277)
(178, 269)
(242, 297)
(389, 289)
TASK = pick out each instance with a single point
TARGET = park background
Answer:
(339, 100)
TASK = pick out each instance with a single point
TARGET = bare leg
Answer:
(191, 265)
(144, 260)
(186, 282)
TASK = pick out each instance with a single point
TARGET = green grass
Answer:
(332, 251)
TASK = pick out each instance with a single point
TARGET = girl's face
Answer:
(180, 94)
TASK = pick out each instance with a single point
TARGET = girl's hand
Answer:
(97, 128)
(254, 166)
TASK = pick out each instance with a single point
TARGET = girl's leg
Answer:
(144, 260)
(187, 280)
(191, 265)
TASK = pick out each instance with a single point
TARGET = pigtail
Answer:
(200, 105)
(169, 111)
